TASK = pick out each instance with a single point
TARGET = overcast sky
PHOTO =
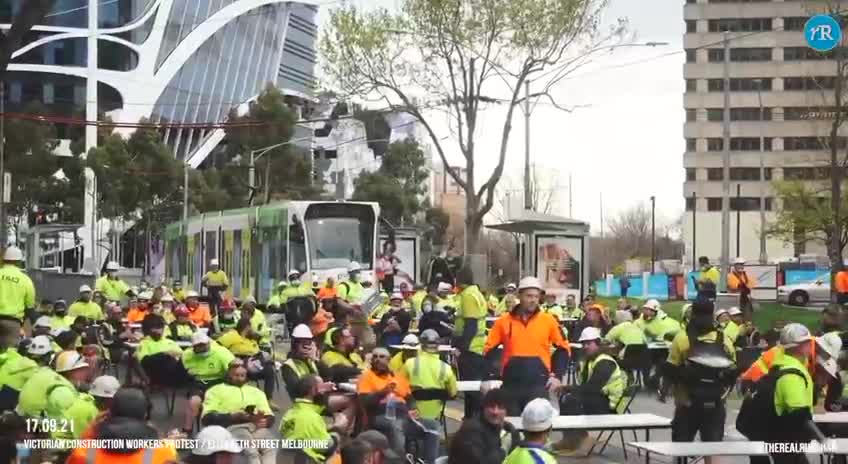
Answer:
(628, 143)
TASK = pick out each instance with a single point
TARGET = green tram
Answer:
(258, 246)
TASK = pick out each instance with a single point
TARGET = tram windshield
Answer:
(339, 233)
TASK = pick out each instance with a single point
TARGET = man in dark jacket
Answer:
(486, 438)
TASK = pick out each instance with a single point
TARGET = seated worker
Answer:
(446, 297)
(431, 379)
(41, 326)
(382, 308)
(227, 318)
(726, 325)
(206, 363)
(395, 323)
(114, 334)
(243, 343)
(536, 422)
(572, 310)
(137, 311)
(388, 402)
(625, 332)
(168, 306)
(199, 314)
(159, 356)
(103, 390)
(181, 329)
(323, 318)
(434, 317)
(551, 307)
(409, 351)
(257, 320)
(223, 447)
(485, 437)
(303, 421)
(60, 318)
(656, 323)
(243, 410)
(16, 369)
(85, 307)
(764, 363)
(55, 395)
(341, 356)
(594, 317)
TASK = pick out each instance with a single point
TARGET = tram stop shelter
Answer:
(553, 248)
(54, 260)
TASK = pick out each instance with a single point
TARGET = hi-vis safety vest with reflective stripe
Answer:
(614, 388)
(301, 368)
(762, 366)
(420, 371)
(528, 454)
(32, 401)
(351, 291)
(472, 305)
(17, 292)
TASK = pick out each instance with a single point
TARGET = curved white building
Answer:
(186, 61)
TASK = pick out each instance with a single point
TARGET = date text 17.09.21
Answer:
(46, 425)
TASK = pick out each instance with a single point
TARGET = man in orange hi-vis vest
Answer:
(842, 287)
(762, 365)
(741, 282)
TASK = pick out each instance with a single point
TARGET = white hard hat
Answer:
(529, 282)
(510, 285)
(396, 296)
(720, 312)
(538, 415)
(42, 321)
(191, 294)
(40, 345)
(354, 267)
(410, 340)
(199, 338)
(13, 253)
(828, 365)
(794, 334)
(104, 386)
(652, 304)
(739, 260)
(301, 331)
(734, 311)
(429, 337)
(85, 289)
(589, 334)
(215, 439)
(213, 262)
(112, 266)
(293, 273)
(444, 287)
(67, 361)
(830, 343)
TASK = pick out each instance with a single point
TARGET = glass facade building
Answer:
(170, 61)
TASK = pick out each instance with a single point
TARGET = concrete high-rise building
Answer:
(780, 94)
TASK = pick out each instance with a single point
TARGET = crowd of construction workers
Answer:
(370, 382)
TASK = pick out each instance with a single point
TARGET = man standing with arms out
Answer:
(85, 307)
(707, 280)
(17, 297)
(216, 283)
(112, 287)
(471, 336)
(739, 281)
(528, 336)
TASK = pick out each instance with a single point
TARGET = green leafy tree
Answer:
(399, 185)
(806, 215)
(461, 55)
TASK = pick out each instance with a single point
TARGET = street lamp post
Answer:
(763, 252)
(653, 232)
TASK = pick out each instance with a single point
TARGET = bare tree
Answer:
(544, 187)
(456, 57)
(631, 230)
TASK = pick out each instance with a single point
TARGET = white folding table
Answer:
(474, 385)
(685, 450)
(607, 422)
(831, 418)
(442, 348)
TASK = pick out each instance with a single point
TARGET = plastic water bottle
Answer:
(391, 407)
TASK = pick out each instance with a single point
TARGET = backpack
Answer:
(758, 419)
(707, 383)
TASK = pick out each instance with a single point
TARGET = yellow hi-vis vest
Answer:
(614, 388)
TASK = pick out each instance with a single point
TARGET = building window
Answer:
(691, 26)
(767, 173)
(749, 84)
(691, 85)
(690, 174)
(811, 143)
(809, 83)
(750, 54)
(713, 204)
(740, 24)
(691, 144)
(715, 55)
(745, 203)
(715, 114)
(690, 114)
(745, 143)
(715, 174)
(769, 202)
(804, 54)
(744, 173)
(690, 204)
(750, 114)
(691, 56)
(814, 173)
(715, 144)
(794, 23)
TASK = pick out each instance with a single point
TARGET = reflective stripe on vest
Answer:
(301, 368)
(91, 456)
(416, 369)
(537, 459)
(614, 388)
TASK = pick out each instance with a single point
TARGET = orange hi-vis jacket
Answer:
(533, 339)
(842, 282)
(761, 367)
(735, 280)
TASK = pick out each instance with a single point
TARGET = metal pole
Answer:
(725, 184)
(251, 177)
(528, 202)
(570, 214)
(653, 233)
(185, 195)
(763, 252)
(4, 236)
(738, 219)
(694, 230)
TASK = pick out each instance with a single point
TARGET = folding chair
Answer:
(626, 399)
(428, 394)
(636, 361)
